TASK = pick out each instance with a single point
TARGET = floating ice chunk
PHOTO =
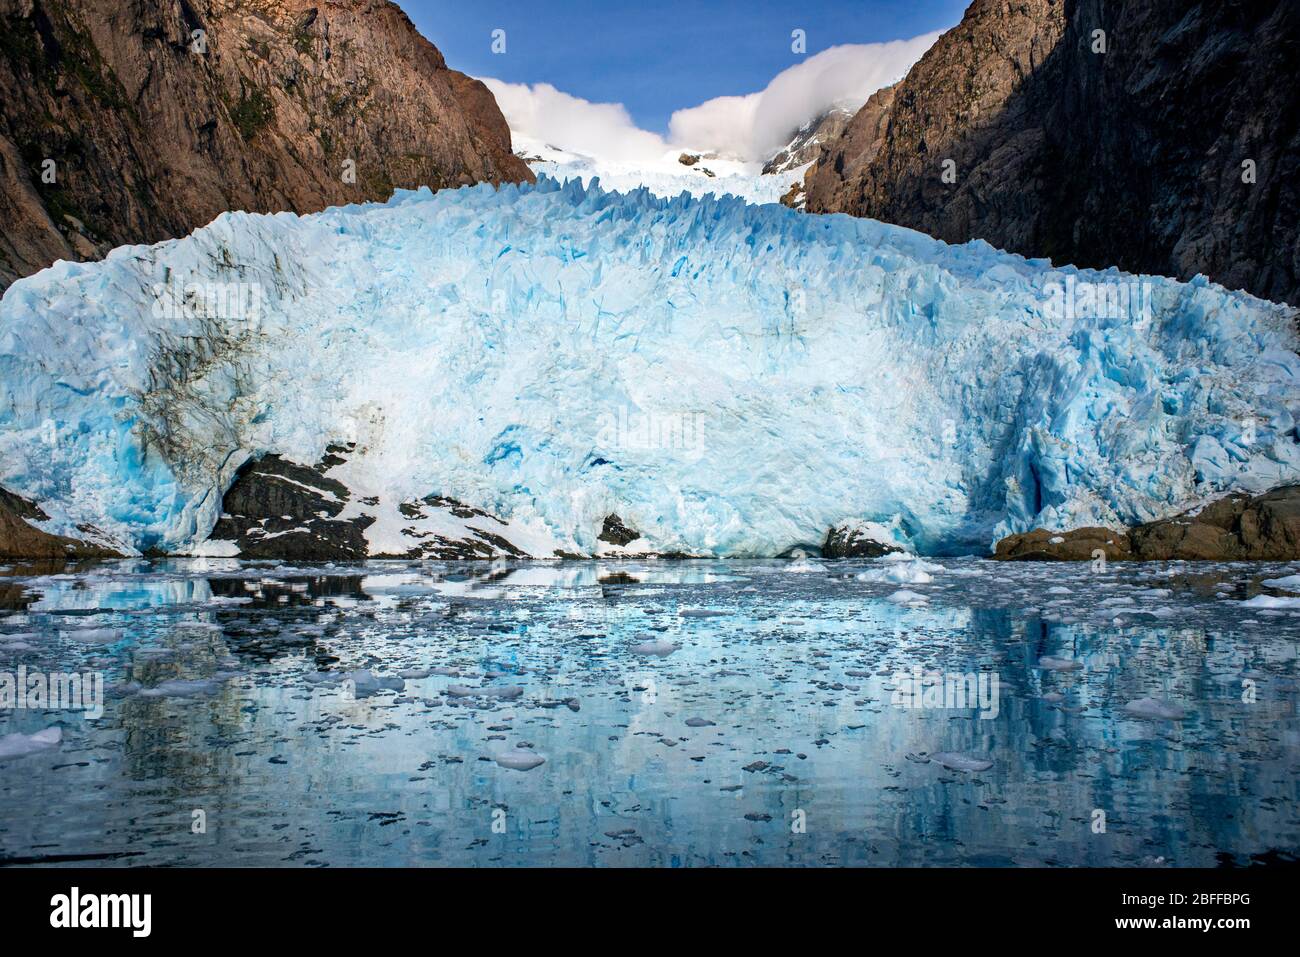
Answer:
(1289, 583)
(20, 745)
(902, 569)
(1155, 708)
(659, 647)
(182, 688)
(803, 564)
(955, 761)
(701, 613)
(519, 759)
(699, 723)
(905, 597)
(1271, 601)
(415, 674)
(364, 684)
(1053, 663)
(94, 636)
(508, 692)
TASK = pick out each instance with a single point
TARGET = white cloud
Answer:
(751, 127)
(541, 112)
(754, 127)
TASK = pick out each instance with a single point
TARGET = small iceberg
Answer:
(1155, 708)
(509, 692)
(20, 745)
(519, 759)
(955, 761)
(902, 570)
(1271, 601)
(1289, 583)
(364, 684)
(1053, 663)
(659, 647)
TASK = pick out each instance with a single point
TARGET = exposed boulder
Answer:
(1238, 527)
(857, 540)
(1076, 545)
(19, 539)
(617, 533)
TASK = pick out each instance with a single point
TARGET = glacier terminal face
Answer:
(730, 379)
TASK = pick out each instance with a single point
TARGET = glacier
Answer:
(732, 379)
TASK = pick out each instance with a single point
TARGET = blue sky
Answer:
(657, 56)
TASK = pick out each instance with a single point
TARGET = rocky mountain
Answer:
(806, 143)
(1159, 137)
(135, 122)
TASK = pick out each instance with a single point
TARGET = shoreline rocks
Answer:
(20, 539)
(278, 509)
(1238, 527)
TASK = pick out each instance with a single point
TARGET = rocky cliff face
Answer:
(1175, 151)
(135, 122)
(806, 143)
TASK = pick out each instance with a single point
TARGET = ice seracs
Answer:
(474, 345)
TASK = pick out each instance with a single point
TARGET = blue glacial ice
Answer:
(731, 379)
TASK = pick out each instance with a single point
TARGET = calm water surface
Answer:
(335, 715)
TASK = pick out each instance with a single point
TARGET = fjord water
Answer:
(688, 713)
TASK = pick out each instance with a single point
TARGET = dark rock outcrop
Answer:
(852, 541)
(1075, 545)
(1134, 157)
(279, 509)
(19, 539)
(617, 533)
(477, 543)
(1235, 528)
(133, 123)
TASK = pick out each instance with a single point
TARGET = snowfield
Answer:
(666, 176)
(729, 378)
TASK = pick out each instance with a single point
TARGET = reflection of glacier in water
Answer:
(332, 714)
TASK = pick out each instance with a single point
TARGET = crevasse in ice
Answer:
(728, 378)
